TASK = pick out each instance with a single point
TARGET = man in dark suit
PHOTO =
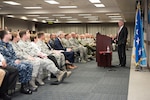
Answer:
(69, 54)
(121, 40)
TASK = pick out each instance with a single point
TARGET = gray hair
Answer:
(59, 32)
(121, 20)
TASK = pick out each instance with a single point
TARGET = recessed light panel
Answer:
(99, 5)
(43, 21)
(32, 7)
(24, 18)
(35, 20)
(51, 1)
(10, 16)
(67, 6)
(95, 1)
(11, 3)
(112, 14)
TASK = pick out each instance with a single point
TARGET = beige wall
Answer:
(79, 28)
(17, 24)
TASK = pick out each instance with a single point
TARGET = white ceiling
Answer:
(126, 9)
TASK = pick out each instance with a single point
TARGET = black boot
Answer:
(25, 89)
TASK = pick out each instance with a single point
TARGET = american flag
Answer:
(140, 54)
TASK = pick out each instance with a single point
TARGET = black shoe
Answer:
(25, 90)
(119, 65)
(123, 65)
(55, 83)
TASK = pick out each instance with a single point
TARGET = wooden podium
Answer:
(103, 57)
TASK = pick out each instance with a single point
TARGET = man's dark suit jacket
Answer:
(58, 45)
(122, 38)
(68, 55)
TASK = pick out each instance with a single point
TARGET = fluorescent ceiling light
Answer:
(67, 6)
(116, 18)
(94, 21)
(23, 17)
(32, 7)
(99, 5)
(73, 19)
(43, 21)
(111, 14)
(51, 1)
(84, 14)
(95, 1)
(10, 16)
(50, 19)
(11, 3)
(90, 17)
(58, 15)
(34, 20)
(65, 17)
(33, 15)
(43, 17)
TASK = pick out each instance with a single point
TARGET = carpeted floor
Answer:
(88, 82)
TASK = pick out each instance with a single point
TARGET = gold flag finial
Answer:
(138, 5)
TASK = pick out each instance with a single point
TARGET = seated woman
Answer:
(9, 78)
(24, 68)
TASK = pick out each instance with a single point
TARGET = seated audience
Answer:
(24, 68)
(68, 65)
(23, 56)
(90, 44)
(46, 63)
(83, 50)
(46, 51)
(77, 49)
(34, 40)
(44, 48)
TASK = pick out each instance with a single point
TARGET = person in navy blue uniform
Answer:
(24, 68)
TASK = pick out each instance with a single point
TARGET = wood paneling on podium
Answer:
(103, 57)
